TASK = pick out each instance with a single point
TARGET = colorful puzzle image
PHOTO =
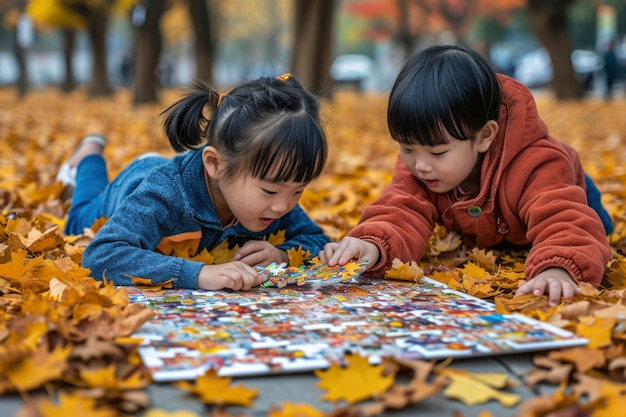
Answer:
(281, 275)
(308, 325)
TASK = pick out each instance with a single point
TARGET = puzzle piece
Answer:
(281, 275)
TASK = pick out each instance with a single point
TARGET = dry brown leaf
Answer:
(583, 358)
(556, 372)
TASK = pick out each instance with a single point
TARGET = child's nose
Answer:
(280, 206)
(421, 165)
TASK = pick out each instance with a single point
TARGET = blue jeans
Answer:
(594, 200)
(95, 197)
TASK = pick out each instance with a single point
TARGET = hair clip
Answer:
(219, 100)
(283, 77)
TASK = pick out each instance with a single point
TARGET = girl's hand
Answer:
(348, 248)
(260, 252)
(233, 275)
(555, 281)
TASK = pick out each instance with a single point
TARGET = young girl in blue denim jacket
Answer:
(263, 144)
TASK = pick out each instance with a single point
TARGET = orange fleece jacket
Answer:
(532, 192)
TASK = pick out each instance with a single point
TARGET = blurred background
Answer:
(574, 48)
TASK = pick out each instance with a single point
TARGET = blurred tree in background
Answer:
(71, 15)
(154, 44)
(16, 20)
(311, 52)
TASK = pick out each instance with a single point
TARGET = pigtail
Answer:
(185, 123)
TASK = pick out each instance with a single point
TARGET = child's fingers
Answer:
(569, 291)
(525, 289)
(554, 293)
(327, 252)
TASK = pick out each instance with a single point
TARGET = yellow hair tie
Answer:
(219, 100)
(283, 77)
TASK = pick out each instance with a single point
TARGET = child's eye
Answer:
(437, 153)
(406, 150)
(268, 192)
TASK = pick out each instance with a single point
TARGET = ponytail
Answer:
(185, 123)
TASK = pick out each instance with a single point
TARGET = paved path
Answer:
(301, 388)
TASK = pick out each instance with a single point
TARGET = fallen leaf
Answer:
(214, 389)
(358, 380)
(464, 386)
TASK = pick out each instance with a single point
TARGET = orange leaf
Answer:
(214, 389)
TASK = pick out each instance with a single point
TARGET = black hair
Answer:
(267, 127)
(443, 88)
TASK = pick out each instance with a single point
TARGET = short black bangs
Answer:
(294, 149)
(444, 90)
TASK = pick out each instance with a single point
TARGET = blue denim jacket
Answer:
(171, 202)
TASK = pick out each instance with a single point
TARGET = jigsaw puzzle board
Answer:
(299, 328)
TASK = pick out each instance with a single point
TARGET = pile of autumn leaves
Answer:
(65, 332)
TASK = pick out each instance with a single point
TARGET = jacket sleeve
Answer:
(400, 221)
(124, 247)
(301, 230)
(564, 231)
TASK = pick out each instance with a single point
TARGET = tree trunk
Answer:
(549, 23)
(22, 65)
(147, 50)
(403, 33)
(97, 28)
(69, 37)
(310, 60)
(203, 22)
(24, 33)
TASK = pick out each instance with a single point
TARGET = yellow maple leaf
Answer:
(277, 238)
(474, 271)
(98, 223)
(158, 412)
(296, 410)
(106, 378)
(204, 256)
(472, 390)
(41, 367)
(597, 330)
(357, 381)
(221, 254)
(216, 390)
(409, 271)
(297, 256)
(74, 405)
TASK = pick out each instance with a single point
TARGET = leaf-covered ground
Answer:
(56, 317)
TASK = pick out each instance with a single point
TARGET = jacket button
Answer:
(474, 211)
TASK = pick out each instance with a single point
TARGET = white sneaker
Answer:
(67, 173)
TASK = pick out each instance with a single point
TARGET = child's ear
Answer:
(486, 135)
(211, 159)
